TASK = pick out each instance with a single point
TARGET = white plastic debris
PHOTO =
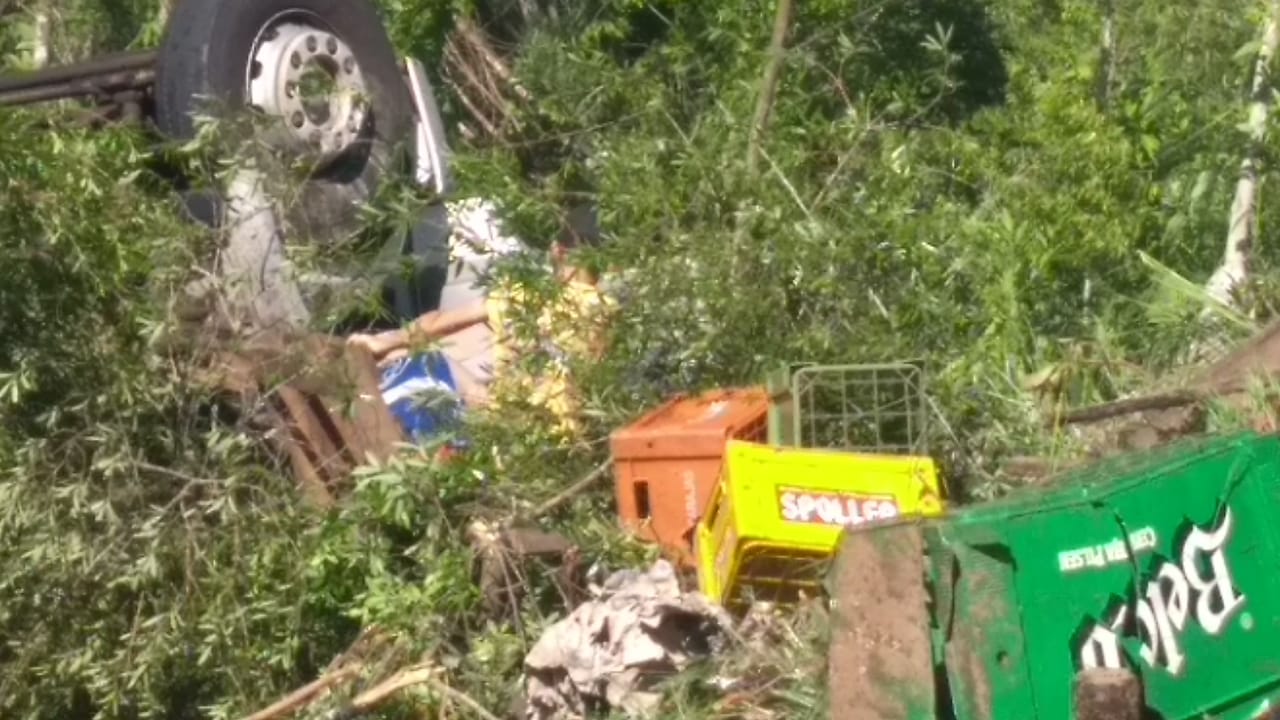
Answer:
(478, 231)
(611, 650)
(477, 240)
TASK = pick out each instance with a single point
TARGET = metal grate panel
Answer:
(870, 408)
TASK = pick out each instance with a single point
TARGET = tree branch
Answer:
(305, 695)
(769, 82)
(461, 698)
(1094, 413)
(572, 491)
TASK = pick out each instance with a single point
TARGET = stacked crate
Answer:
(667, 463)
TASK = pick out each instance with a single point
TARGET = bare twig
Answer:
(496, 582)
(1107, 55)
(175, 474)
(476, 38)
(791, 189)
(485, 124)
(479, 77)
(344, 668)
(454, 59)
(191, 482)
(423, 674)
(458, 62)
(378, 694)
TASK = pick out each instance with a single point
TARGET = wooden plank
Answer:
(377, 430)
(351, 410)
(880, 663)
(1107, 694)
(1259, 356)
(332, 412)
(328, 415)
(309, 430)
(339, 404)
(312, 485)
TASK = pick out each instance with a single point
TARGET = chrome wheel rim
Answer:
(310, 80)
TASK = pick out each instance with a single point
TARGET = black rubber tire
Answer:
(204, 207)
(205, 53)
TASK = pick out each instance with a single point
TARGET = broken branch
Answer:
(572, 491)
(1128, 406)
(424, 674)
(1207, 390)
(342, 669)
(462, 698)
(304, 695)
(1035, 468)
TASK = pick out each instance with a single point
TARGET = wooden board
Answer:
(325, 408)
(880, 663)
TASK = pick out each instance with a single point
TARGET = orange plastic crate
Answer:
(667, 463)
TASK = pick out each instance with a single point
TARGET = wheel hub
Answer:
(309, 78)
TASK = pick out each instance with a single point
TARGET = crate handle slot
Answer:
(641, 490)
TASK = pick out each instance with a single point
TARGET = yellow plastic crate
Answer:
(776, 516)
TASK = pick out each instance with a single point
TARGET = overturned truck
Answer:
(316, 114)
(316, 90)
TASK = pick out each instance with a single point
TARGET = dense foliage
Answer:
(973, 184)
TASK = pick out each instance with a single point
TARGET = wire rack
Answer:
(869, 408)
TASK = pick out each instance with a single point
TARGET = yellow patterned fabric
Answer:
(569, 328)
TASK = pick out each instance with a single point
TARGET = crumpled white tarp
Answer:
(611, 650)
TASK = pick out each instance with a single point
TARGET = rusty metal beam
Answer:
(101, 78)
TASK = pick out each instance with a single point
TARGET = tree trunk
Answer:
(777, 54)
(1107, 55)
(1242, 225)
(166, 9)
(42, 39)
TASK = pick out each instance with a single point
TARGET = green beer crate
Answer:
(1166, 563)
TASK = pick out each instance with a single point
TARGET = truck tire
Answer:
(228, 55)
